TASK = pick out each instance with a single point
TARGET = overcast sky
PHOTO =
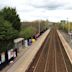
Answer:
(29, 10)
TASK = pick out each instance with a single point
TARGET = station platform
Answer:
(23, 63)
(67, 48)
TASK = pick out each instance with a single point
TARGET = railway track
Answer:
(51, 56)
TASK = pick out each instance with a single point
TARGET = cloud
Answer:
(40, 9)
(49, 7)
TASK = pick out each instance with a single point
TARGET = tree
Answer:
(11, 15)
(28, 32)
(7, 34)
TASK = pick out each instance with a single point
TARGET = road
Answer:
(51, 57)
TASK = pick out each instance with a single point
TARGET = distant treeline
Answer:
(43, 24)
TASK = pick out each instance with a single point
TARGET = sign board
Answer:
(3, 57)
(0, 62)
(14, 54)
(10, 54)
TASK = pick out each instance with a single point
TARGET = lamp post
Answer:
(39, 27)
(67, 25)
(69, 29)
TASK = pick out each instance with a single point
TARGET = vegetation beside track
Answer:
(65, 25)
